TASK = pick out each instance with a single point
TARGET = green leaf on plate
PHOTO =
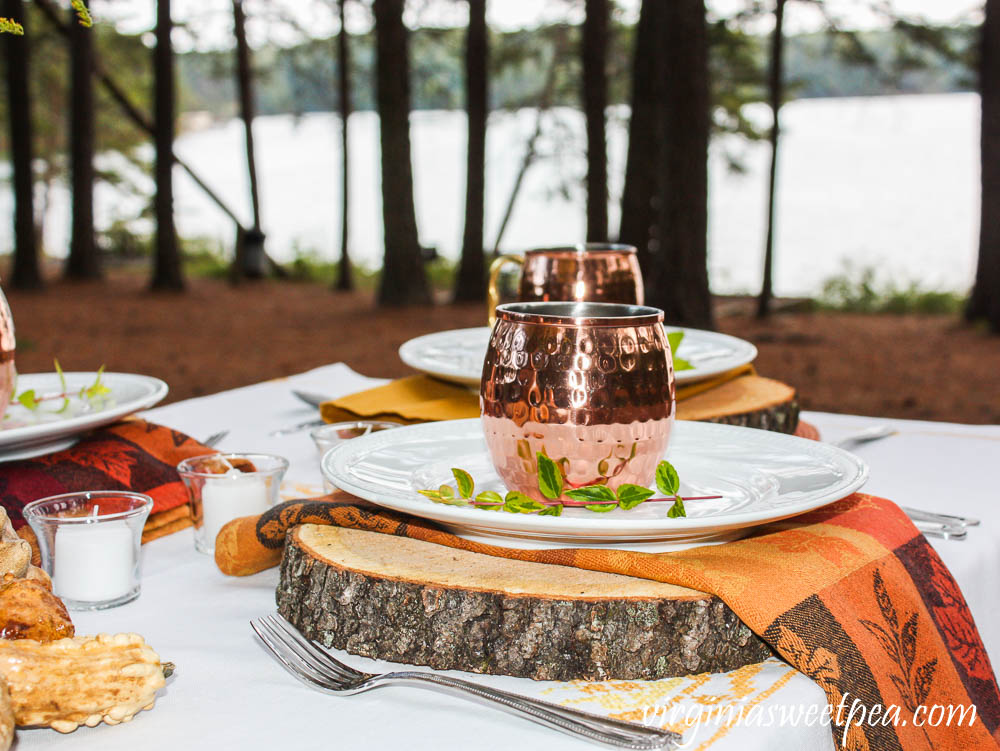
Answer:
(62, 376)
(519, 503)
(601, 508)
(630, 496)
(97, 388)
(677, 509)
(553, 510)
(466, 485)
(27, 399)
(666, 478)
(489, 496)
(550, 479)
(445, 495)
(675, 338)
(593, 493)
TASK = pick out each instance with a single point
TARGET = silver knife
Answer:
(311, 398)
(297, 428)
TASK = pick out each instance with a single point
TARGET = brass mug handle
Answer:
(493, 294)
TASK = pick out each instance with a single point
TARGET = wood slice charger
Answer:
(404, 600)
(749, 402)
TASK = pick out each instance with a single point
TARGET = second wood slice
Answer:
(750, 402)
(404, 600)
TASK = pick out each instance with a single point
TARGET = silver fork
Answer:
(318, 669)
(215, 438)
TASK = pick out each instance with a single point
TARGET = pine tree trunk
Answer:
(985, 300)
(26, 273)
(345, 279)
(252, 262)
(83, 262)
(470, 283)
(678, 279)
(639, 196)
(167, 261)
(776, 94)
(403, 279)
(595, 102)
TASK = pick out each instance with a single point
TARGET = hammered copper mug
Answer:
(584, 273)
(590, 385)
(8, 376)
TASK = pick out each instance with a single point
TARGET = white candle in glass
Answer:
(229, 497)
(94, 562)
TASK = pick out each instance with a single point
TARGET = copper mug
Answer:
(8, 376)
(585, 273)
(590, 385)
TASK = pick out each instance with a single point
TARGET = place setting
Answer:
(50, 411)
(576, 459)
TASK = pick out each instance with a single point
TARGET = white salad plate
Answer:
(761, 476)
(56, 423)
(457, 355)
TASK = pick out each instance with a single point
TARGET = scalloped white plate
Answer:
(25, 433)
(457, 355)
(761, 476)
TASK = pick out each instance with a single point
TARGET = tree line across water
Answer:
(297, 79)
(683, 73)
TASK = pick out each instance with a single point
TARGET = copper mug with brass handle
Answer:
(592, 272)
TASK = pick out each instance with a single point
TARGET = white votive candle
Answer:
(94, 562)
(229, 497)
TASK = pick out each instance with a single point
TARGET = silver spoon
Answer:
(874, 433)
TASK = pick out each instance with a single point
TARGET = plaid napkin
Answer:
(421, 398)
(851, 595)
(130, 455)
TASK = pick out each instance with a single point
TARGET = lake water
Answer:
(887, 182)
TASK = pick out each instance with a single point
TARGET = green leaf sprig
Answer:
(675, 338)
(489, 500)
(33, 401)
(551, 484)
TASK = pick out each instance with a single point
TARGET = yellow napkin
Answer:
(420, 398)
(416, 398)
(686, 392)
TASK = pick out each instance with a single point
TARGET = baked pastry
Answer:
(15, 553)
(29, 610)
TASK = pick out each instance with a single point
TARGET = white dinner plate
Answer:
(761, 476)
(25, 433)
(457, 355)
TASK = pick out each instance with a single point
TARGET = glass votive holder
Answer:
(90, 545)
(223, 487)
(327, 436)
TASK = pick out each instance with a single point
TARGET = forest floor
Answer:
(216, 337)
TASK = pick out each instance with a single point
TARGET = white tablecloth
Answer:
(228, 694)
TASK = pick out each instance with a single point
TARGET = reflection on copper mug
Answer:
(590, 385)
(584, 273)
